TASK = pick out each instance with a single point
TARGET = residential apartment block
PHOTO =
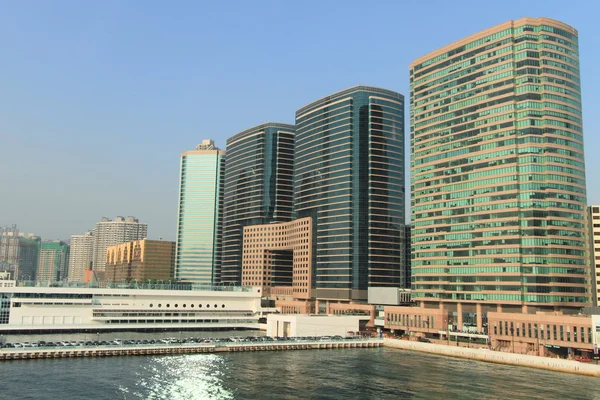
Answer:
(81, 255)
(140, 261)
(108, 233)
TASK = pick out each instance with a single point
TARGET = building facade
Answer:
(497, 170)
(594, 238)
(407, 256)
(200, 217)
(76, 307)
(349, 178)
(140, 261)
(258, 188)
(53, 261)
(26, 266)
(276, 258)
(18, 254)
(80, 257)
(108, 233)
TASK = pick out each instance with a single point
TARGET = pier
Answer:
(167, 349)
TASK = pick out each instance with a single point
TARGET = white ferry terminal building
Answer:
(69, 306)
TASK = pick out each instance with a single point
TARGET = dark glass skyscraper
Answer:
(258, 187)
(349, 177)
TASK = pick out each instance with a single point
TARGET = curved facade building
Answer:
(349, 178)
(258, 187)
(497, 166)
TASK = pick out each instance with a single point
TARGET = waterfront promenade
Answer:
(186, 348)
(552, 364)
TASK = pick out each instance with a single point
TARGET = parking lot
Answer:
(170, 341)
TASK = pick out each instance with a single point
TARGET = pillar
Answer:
(499, 307)
(479, 316)
(459, 320)
(524, 309)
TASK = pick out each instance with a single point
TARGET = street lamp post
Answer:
(512, 332)
(538, 339)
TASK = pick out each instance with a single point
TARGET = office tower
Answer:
(349, 178)
(407, 256)
(594, 238)
(81, 254)
(497, 170)
(108, 233)
(200, 217)
(140, 261)
(53, 261)
(258, 187)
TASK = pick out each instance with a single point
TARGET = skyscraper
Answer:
(29, 248)
(258, 187)
(594, 237)
(407, 256)
(18, 254)
(349, 178)
(498, 178)
(81, 254)
(108, 233)
(53, 261)
(200, 217)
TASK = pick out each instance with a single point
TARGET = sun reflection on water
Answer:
(180, 377)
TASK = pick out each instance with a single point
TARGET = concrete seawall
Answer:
(551, 364)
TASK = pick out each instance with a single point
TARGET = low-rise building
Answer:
(314, 325)
(73, 306)
(541, 333)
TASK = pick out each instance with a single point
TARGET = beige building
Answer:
(140, 260)
(550, 334)
(314, 325)
(80, 259)
(111, 232)
(277, 258)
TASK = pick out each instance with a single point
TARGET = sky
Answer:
(99, 99)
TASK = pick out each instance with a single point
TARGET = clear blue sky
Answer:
(98, 99)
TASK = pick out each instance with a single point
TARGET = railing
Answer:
(145, 286)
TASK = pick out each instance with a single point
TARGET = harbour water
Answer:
(381, 373)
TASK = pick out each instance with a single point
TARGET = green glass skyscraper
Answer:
(200, 222)
(349, 178)
(497, 169)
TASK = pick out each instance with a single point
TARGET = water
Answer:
(381, 373)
